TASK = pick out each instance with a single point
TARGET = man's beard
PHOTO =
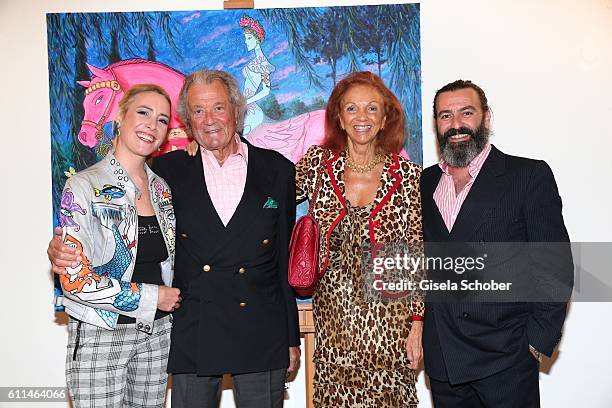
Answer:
(460, 154)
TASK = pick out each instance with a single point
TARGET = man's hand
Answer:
(168, 299)
(60, 255)
(535, 353)
(294, 359)
(414, 346)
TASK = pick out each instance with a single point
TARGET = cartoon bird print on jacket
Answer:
(109, 192)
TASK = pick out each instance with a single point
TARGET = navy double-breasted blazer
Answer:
(238, 312)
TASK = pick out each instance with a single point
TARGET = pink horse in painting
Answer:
(107, 86)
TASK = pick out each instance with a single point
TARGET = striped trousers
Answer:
(117, 368)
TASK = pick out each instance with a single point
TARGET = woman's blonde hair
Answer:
(129, 96)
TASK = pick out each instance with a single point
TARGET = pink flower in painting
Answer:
(254, 26)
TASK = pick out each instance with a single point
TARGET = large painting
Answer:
(286, 60)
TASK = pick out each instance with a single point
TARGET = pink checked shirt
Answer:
(225, 183)
(447, 200)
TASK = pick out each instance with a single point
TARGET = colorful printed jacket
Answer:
(98, 216)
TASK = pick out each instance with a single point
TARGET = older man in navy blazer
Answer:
(235, 208)
(486, 354)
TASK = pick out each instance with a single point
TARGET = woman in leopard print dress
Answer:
(368, 346)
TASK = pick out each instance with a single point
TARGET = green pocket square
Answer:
(270, 203)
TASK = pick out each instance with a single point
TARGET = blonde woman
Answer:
(117, 216)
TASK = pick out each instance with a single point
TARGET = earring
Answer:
(116, 130)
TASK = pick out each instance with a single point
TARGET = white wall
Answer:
(545, 66)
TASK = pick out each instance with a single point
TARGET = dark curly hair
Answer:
(461, 84)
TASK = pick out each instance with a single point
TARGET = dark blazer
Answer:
(512, 200)
(238, 312)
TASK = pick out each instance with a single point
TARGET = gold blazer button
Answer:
(206, 268)
(242, 304)
(241, 270)
(265, 241)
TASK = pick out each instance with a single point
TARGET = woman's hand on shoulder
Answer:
(192, 148)
(414, 345)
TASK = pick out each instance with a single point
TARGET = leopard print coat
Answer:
(360, 357)
(396, 213)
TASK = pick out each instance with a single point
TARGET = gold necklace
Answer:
(363, 168)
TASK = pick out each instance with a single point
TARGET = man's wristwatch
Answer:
(538, 355)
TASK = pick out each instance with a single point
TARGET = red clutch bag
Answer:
(304, 256)
(304, 270)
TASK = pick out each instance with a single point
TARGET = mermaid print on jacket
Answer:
(103, 284)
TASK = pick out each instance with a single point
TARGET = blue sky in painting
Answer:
(214, 40)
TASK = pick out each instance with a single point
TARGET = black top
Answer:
(151, 251)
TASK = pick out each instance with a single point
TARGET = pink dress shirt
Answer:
(448, 201)
(226, 183)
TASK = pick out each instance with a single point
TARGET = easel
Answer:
(307, 331)
(304, 309)
(238, 4)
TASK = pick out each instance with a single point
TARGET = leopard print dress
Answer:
(360, 355)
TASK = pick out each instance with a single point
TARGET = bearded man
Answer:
(486, 354)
